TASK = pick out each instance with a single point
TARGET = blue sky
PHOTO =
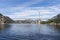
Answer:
(20, 9)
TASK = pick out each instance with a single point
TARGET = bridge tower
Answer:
(39, 22)
(39, 18)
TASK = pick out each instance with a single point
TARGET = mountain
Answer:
(5, 19)
(55, 19)
(57, 16)
(8, 20)
(27, 21)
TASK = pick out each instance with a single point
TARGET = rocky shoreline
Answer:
(54, 23)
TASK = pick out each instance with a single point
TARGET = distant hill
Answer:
(5, 19)
(27, 21)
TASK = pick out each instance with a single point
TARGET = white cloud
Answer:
(24, 14)
(24, 11)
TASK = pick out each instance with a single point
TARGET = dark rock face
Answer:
(8, 20)
(58, 15)
(5, 19)
(1, 14)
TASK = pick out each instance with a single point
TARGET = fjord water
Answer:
(29, 32)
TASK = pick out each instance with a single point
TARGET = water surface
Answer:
(29, 32)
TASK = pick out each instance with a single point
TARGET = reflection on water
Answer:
(1, 26)
(50, 30)
(29, 32)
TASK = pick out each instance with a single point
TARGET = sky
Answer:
(25, 9)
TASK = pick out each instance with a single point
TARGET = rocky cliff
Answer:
(5, 19)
